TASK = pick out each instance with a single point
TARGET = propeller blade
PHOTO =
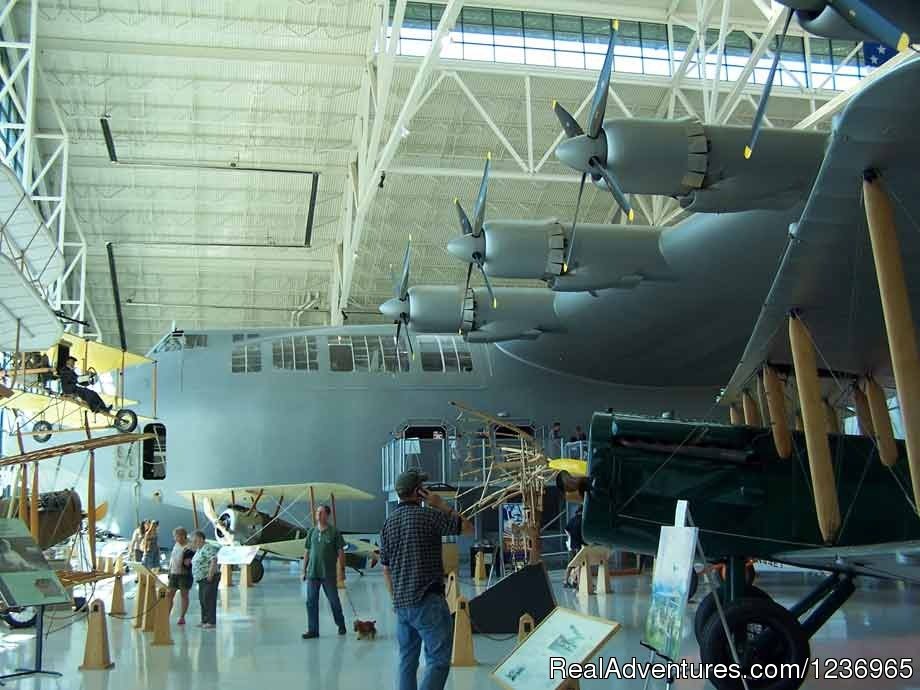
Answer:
(866, 19)
(398, 331)
(599, 104)
(403, 287)
(765, 96)
(479, 211)
(464, 219)
(569, 125)
(209, 511)
(488, 284)
(615, 189)
(568, 256)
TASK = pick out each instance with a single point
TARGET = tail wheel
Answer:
(707, 608)
(763, 633)
(125, 421)
(256, 571)
(42, 431)
(20, 617)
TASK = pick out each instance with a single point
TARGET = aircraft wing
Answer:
(54, 408)
(52, 452)
(827, 271)
(96, 355)
(896, 561)
(293, 548)
(322, 492)
(24, 229)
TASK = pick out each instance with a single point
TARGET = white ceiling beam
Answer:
(494, 173)
(200, 52)
(489, 121)
(416, 91)
(757, 54)
(840, 100)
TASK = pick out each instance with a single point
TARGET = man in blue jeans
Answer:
(410, 552)
(324, 548)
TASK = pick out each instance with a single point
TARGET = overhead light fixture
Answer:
(383, 176)
(404, 132)
(107, 135)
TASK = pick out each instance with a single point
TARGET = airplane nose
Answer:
(465, 246)
(393, 308)
(577, 151)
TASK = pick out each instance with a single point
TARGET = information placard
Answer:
(563, 634)
(26, 579)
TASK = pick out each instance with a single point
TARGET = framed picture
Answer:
(670, 590)
(564, 633)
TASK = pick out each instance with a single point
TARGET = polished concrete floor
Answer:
(257, 644)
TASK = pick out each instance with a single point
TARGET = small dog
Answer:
(366, 629)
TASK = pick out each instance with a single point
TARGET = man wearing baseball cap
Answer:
(410, 552)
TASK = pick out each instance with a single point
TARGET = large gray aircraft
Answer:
(638, 320)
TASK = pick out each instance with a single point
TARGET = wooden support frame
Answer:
(195, 512)
(751, 413)
(899, 323)
(776, 406)
(881, 423)
(34, 500)
(815, 420)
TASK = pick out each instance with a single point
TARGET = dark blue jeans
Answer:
(428, 622)
(330, 587)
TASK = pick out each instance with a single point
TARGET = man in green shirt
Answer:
(324, 547)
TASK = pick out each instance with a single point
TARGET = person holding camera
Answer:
(410, 553)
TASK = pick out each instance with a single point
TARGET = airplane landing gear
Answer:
(256, 571)
(763, 631)
(125, 421)
(20, 617)
(41, 431)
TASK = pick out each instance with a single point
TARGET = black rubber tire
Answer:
(694, 584)
(256, 571)
(20, 618)
(42, 425)
(707, 608)
(125, 421)
(748, 618)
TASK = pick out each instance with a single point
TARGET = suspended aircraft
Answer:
(241, 523)
(47, 410)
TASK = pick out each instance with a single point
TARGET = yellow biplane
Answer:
(35, 393)
(241, 523)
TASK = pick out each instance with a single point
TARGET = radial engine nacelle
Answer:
(703, 167)
(606, 256)
(822, 18)
(516, 314)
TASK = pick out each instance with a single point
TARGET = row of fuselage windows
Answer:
(362, 354)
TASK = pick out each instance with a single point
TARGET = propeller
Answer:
(398, 307)
(471, 244)
(762, 106)
(588, 151)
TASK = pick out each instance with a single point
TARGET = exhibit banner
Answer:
(670, 590)
(26, 579)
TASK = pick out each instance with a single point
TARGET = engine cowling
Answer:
(533, 249)
(703, 167)
(518, 314)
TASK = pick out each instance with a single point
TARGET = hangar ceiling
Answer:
(221, 111)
